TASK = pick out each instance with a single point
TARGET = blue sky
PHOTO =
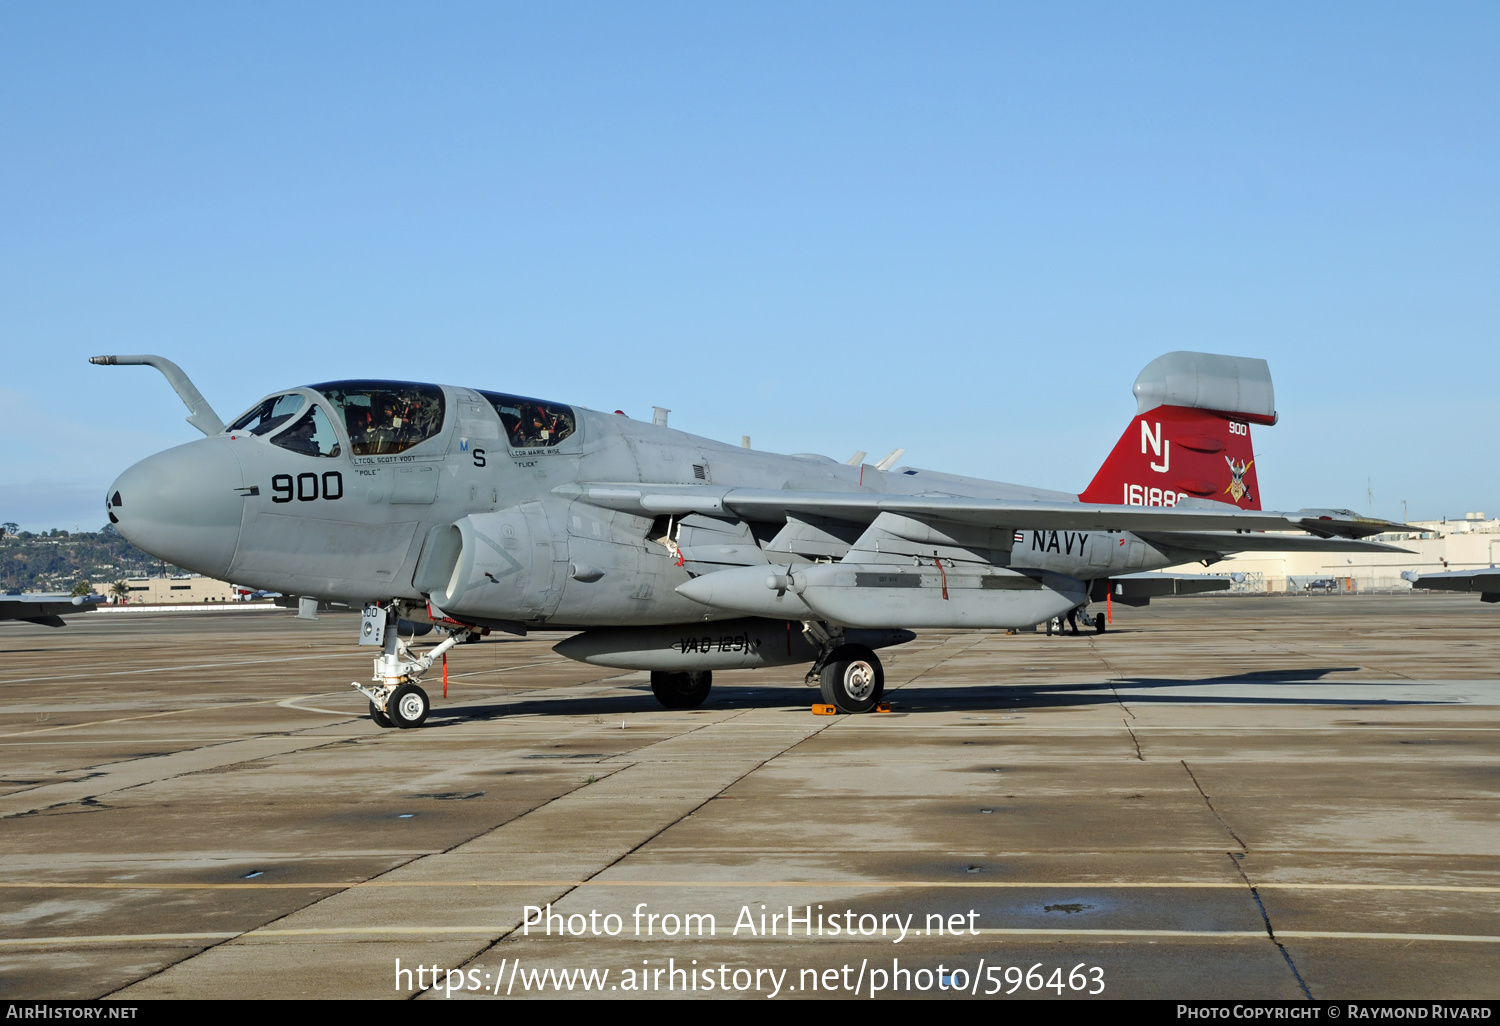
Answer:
(957, 228)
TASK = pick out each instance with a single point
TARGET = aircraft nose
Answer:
(183, 505)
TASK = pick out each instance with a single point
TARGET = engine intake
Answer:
(500, 565)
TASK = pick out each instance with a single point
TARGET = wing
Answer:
(915, 560)
(1221, 543)
(1485, 581)
(762, 505)
(1140, 589)
(44, 609)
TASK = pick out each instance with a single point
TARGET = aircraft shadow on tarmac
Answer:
(1158, 690)
(966, 697)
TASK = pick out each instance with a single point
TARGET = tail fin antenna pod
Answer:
(202, 415)
(1231, 386)
(1190, 437)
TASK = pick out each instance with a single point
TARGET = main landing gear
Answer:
(681, 690)
(850, 676)
(852, 680)
(396, 697)
(1094, 621)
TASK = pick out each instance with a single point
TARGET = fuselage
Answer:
(358, 491)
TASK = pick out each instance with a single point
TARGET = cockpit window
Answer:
(385, 417)
(532, 423)
(269, 415)
(313, 435)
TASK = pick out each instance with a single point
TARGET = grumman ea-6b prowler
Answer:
(473, 511)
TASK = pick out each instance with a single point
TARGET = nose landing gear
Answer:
(396, 697)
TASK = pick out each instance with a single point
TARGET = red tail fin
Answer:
(1172, 452)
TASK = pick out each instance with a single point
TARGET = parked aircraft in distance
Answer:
(1485, 580)
(46, 610)
(475, 510)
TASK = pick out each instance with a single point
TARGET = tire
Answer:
(408, 706)
(1099, 624)
(852, 680)
(681, 690)
(380, 718)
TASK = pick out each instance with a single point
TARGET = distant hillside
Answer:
(58, 560)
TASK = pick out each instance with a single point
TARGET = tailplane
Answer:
(1190, 437)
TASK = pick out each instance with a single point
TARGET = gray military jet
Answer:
(475, 511)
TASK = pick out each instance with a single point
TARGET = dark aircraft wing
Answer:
(1485, 581)
(1222, 542)
(1139, 589)
(44, 609)
(774, 504)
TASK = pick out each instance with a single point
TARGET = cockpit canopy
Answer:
(385, 417)
(311, 434)
(269, 414)
(532, 423)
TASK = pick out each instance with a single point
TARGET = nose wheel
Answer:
(405, 707)
(408, 706)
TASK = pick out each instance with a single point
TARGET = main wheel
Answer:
(408, 706)
(380, 718)
(681, 690)
(853, 679)
(1099, 623)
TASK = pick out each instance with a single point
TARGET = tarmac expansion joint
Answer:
(1236, 858)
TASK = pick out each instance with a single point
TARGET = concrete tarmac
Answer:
(1221, 797)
